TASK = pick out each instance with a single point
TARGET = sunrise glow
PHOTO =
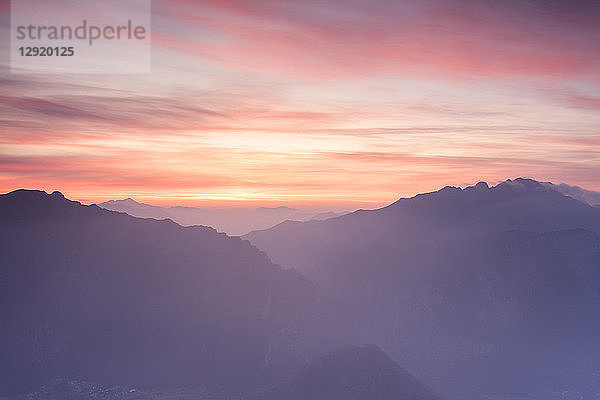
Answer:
(346, 104)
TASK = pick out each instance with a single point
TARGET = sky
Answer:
(330, 104)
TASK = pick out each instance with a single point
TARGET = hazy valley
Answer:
(475, 293)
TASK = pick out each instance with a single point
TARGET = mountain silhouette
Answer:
(448, 214)
(587, 196)
(351, 373)
(483, 291)
(233, 221)
(100, 296)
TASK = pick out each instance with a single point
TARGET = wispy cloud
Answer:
(350, 38)
(347, 101)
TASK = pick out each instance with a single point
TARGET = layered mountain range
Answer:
(103, 297)
(481, 293)
(233, 221)
(485, 292)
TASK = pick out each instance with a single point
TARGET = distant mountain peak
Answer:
(518, 186)
(56, 193)
(481, 186)
(578, 193)
(450, 189)
(278, 208)
(32, 195)
(26, 193)
(127, 201)
(515, 185)
(522, 183)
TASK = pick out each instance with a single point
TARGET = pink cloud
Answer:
(344, 40)
(239, 83)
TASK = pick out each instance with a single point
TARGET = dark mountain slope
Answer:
(482, 292)
(100, 296)
(587, 196)
(370, 236)
(233, 221)
(514, 310)
(352, 373)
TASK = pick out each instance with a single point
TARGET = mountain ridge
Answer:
(505, 189)
(481, 292)
(233, 221)
(155, 303)
(462, 282)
